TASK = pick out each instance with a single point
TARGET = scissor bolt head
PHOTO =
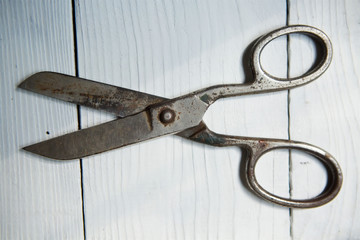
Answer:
(167, 116)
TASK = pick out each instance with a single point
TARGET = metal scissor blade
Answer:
(107, 136)
(119, 101)
(97, 139)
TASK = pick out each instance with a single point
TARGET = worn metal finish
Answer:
(116, 100)
(146, 116)
(257, 147)
(97, 139)
(263, 82)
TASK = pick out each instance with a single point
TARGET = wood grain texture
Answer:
(170, 188)
(39, 198)
(327, 113)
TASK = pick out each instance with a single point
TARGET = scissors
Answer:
(143, 116)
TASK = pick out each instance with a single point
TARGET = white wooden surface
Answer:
(327, 113)
(170, 188)
(39, 198)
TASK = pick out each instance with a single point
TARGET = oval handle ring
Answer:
(259, 148)
(321, 66)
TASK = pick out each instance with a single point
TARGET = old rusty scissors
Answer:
(142, 116)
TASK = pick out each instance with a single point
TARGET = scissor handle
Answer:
(265, 82)
(261, 76)
(257, 147)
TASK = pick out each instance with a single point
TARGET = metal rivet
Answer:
(167, 116)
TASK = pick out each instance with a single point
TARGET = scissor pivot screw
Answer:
(167, 116)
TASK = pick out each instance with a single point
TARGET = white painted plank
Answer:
(169, 187)
(327, 113)
(39, 198)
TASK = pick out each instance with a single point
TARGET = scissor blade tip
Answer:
(34, 82)
(25, 84)
(29, 148)
(22, 85)
(32, 149)
(35, 149)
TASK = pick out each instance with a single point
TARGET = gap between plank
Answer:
(289, 114)
(76, 60)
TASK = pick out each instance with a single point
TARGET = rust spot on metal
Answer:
(327, 155)
(167, 116)
(263, 144)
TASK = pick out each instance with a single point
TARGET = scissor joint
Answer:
(177, 115)
(167, 116)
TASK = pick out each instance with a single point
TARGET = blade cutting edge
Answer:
(97, 139)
